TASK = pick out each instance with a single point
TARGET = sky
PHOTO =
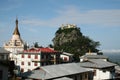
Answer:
(40, 19)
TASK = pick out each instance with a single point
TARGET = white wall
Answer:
(26, 60)
(64, 56)
(102, 75)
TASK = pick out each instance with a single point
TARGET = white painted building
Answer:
(68, 26)
(35, 57)
(15, 44)
(66, 57)
(28, 61)
(98, 63)
(101, 74)
(90, 55)
(102, 69)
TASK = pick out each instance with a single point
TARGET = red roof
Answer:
(47, 50)
(44, 50)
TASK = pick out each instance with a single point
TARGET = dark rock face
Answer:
(66, 35)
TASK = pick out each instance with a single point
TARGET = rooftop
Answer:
(69, 54)
(96, 63)
(63, 78)
(16, 31)
(2, 50)
(94, 57)
(38, 50)
(55, 71)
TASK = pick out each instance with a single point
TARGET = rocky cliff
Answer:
(66, 35)
(73, 41)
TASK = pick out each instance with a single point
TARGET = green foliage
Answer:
(78, 46)
(50, 45)
(26, 46)
(36, 45)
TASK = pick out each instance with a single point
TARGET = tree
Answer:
(36, 45)
(50, 45)
(73, 41)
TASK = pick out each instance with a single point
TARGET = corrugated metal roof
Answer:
(2, 50)
(54, 71)
(35, 74)
(95, 56)
(63, 78)
(63, 70)
(97, 63)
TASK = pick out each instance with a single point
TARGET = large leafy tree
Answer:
(73, 41)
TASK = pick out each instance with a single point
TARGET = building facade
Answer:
(103, 70)
(35, 57)
(15, 44)
(67, 26)
(66, 57)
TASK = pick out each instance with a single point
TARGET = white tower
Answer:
(15, 44)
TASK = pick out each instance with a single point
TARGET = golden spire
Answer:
(16, 31)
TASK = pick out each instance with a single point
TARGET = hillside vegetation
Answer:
(73, 41)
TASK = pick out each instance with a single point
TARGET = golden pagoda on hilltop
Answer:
(15, 44)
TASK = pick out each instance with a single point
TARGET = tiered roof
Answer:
(16, 31)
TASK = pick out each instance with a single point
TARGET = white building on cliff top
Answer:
(68, 26)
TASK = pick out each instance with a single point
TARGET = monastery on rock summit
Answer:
(50, 64)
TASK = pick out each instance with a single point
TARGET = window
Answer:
(35, 64)
(42, 56)
(7, 57)
(36, 56)
(65, 58)
(86, 75)
(22, 63)
(22, 56)
(104, 71)
(22, 70)
(81, 77)
(29, 56)
(29, 63)
(42, 63)
(29, 70)
(94, 72)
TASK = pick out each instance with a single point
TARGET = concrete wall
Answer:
(101, 74)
